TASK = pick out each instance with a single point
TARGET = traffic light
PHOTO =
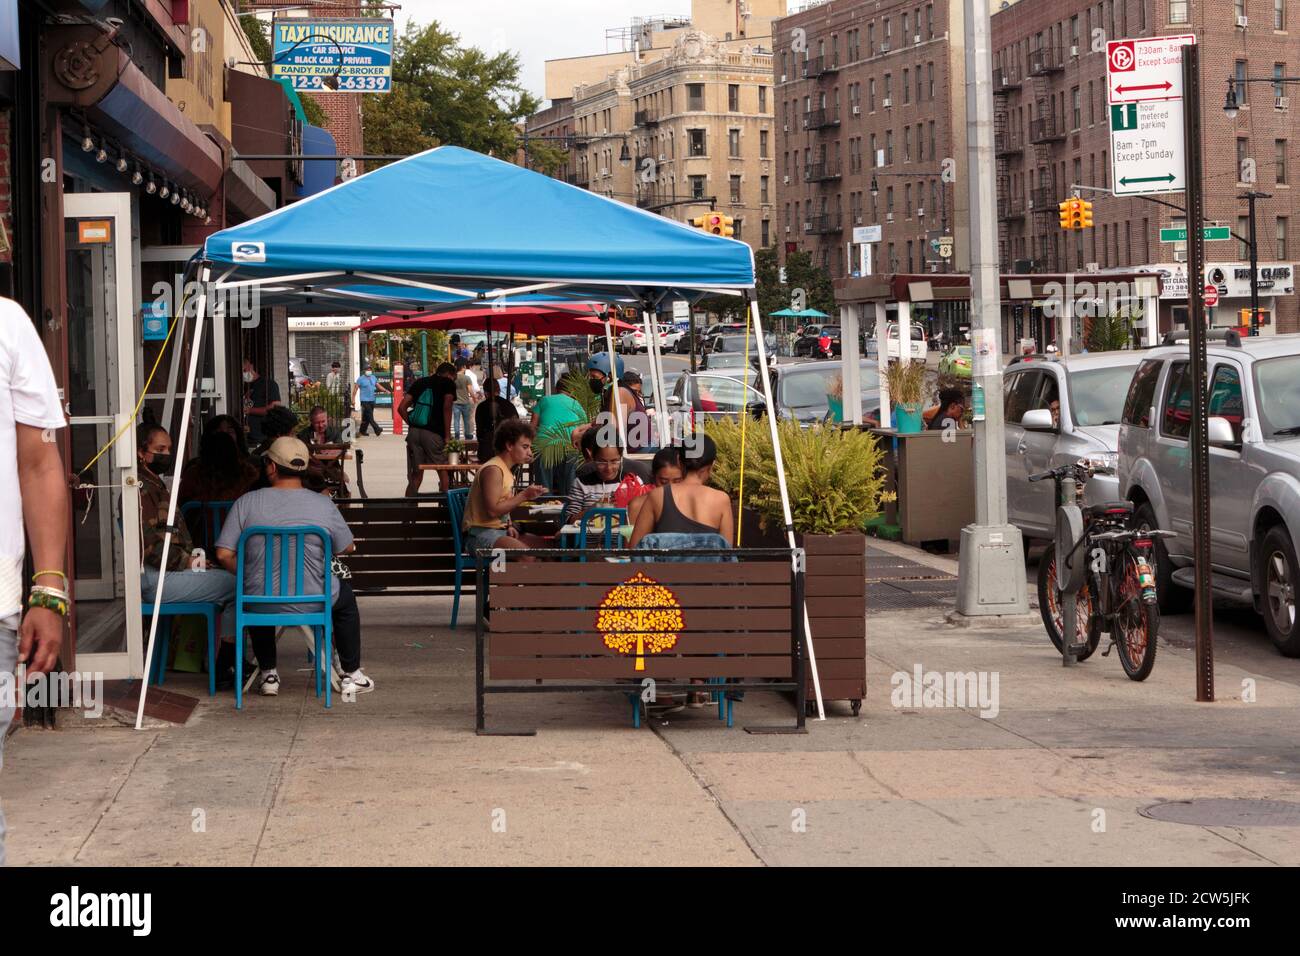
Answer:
(718, 224)
(1066, 210)
(1085, 214)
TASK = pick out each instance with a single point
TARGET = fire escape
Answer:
(1008, 147)
(1046, 130)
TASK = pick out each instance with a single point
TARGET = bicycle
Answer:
(1108, 564)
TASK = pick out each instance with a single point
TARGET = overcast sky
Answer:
(539, 30)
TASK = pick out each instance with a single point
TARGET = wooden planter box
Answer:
(835, 590)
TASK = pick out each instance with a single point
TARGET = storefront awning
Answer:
(86, 72)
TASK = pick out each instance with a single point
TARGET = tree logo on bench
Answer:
(640, 616)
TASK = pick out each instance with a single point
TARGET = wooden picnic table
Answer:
(458, 475)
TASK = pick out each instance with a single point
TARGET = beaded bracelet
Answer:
(48, 601)
(41, 574)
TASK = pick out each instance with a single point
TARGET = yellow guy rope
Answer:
(130, 422)
(744, 422)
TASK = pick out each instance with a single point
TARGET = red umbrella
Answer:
(526, 319)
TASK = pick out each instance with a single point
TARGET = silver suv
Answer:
(1254, 426)
(1058, 411)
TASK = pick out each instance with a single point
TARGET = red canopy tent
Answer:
(528, 319)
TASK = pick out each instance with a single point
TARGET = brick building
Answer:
(1053, 132)
(867, 93)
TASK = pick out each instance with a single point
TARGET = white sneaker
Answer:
(270, 686)
(357, 683)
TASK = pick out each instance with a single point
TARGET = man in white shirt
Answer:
(30, 411)
(468, 394)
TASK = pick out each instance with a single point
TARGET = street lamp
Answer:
(624, 156)
(1230, 108)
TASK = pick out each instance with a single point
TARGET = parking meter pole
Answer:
(1200, 423)
(992, 563)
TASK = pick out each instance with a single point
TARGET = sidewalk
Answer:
(1057, 776)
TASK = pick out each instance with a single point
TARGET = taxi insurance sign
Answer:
(311, 54)
(1145, 95)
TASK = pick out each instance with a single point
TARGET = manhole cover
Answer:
(1212, 812)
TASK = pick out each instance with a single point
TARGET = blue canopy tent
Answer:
(448, 228)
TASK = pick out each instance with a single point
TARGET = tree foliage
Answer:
(447, 93)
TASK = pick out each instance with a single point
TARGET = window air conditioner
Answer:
(785, 180)
(786, 127)
(884, 47)
(1074, 51)
(857, 110)
(1242, 22)
(887, 102)
(889, 217)
(917, 38)
(807, 227)
(787, 228)
(857, 221)
(920, 212)
(783, 79)
(1282, 103)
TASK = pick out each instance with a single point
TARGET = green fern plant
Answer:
(553, 449)
(834, 476)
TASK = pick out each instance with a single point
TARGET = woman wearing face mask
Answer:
(183, 581)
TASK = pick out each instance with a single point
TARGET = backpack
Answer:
(421, 413)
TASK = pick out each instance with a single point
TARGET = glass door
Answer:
(101, 396)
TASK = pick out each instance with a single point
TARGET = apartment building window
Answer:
(907, 144)
(889, 147)
(871, 95)
(695, 96)
(932, 150)
(918, 83)
(766, 232)
(889, 89)
(762, 99)
(1243, 229)
(1243, 151)
(1074, 30)
(1239, 69)
(929, 20)
(1281, 238)
(1279, 71)
(698, 143)
(1239, 7)
(784, 66)
(762, 190)
(907, 200)
(889, 201)
(733, 97)
(1279, 160)
(697, 187)
(871, 38)
(762, 143)
(1076, 108)
(892, 265)
(1279, 14)
(738, 228)
(733, 143)
(920, 143)
(735, 189)
(1092, 104)
(875, 160)
(1178, 11)
(934, 197)
(929, 69)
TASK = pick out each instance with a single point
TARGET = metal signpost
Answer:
(1200, 440)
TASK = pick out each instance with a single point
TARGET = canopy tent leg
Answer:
(180, 443)
(766, 379)
(613, 369)
(657, 375)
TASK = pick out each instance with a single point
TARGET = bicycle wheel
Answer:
(1050, 608)
(1136, 622)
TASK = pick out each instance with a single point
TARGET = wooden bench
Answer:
(609, 626)
(404, 546)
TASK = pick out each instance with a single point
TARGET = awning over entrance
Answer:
(86, 70)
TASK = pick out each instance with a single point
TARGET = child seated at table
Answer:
(492, 496)
(689, 514)
(665, 469)
(599, 476)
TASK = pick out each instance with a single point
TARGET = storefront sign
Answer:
(1233, 279)
(316, 54)
(91, 231)
(343, 323)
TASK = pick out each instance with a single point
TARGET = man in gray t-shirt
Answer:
(287, 504)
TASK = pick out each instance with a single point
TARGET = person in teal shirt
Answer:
(555, 416)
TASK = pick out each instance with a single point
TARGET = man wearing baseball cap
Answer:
(287, 504)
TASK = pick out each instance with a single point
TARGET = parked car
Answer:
(1253, 389)
(635, 340)
(801, 391)
(672, 337)
(718, 395)
(957, 361)
(919, 348)
(728, 351)
(1058, 411)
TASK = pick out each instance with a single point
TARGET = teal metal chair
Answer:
(614, 518)
(214, 516)
(457, 498)
(282, 584)
(168, 610)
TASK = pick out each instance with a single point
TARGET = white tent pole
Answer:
(195, 353)
(656, 368)
(613, 369)
(766, 379)
(661, 393)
